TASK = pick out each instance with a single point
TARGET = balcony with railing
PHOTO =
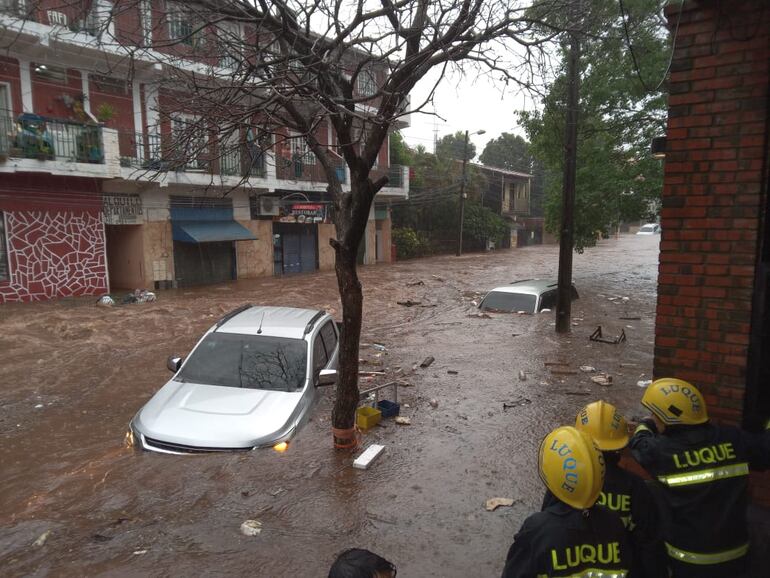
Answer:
(395, 174)
(153, 152)
(305, 167)
(31, 136)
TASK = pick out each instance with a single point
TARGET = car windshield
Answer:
(248, 361)
(501, 301)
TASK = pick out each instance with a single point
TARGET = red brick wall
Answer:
(712, 198)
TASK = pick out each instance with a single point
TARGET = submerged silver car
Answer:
(527, 296)
(249, 382)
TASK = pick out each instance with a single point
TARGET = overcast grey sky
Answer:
(469, 103)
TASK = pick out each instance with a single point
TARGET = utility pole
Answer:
(462, 197)
(462, 193)
(564, 292)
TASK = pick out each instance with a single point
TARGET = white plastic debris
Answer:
(105, 301)
(644, 382)
(139, 552)
(493, 503)
(402, 420)
(587, 368)
(602, 379)
(41, 539)
(370, 454)
(251, 528)
(433, 403)
(39, 406)
(522, 375)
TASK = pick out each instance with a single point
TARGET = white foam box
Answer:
(366, 458)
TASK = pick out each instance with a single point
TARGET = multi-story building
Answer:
(507, 193)
(95, 194)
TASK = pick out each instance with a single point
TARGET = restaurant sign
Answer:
(304, 213)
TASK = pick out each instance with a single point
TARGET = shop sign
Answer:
(304, 213)
(122, 209)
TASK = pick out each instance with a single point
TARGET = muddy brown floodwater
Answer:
(74, 374)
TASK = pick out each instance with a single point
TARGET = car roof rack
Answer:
(233, 313)
(522, 281)
(316, 317)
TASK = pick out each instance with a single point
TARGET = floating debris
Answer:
(251, 528)
(41, 539)
(493, 503)
(602, 379)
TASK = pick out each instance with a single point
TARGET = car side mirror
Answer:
(174, 362)
(326, 377)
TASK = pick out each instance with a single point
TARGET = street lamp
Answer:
(658, 147)
(462, 192)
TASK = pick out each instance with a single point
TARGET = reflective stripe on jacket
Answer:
(562, 542)
(702, 477)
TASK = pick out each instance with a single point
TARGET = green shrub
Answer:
(410, 243)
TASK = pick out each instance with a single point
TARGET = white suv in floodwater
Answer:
(528, 296)
(249, 382)
(649, 229)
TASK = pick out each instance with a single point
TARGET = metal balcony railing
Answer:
(159, 153)
(395, 174)
(32, 136)
(306, 168)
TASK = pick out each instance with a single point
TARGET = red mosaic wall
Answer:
(54, 254)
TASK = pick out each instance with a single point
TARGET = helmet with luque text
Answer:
(604, 423)
(572, 467)
(675, 402)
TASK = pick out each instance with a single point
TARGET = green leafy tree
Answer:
(508, 151)
(453, 146)
(400, 153)
(616, 177)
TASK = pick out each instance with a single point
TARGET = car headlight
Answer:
(281, 447)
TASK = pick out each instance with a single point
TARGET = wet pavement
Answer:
(73, 375)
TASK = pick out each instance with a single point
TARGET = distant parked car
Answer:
(249, 382)
(529, 296)
(649, 229)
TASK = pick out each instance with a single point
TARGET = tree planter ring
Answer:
(345, 439)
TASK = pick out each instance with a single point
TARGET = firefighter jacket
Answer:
(628, 496)
(702, 477)
(561, 541)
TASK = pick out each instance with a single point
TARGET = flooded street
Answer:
(74, 374)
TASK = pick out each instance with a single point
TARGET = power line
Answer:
(633, 54)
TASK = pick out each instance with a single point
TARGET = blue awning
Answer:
(210, 231)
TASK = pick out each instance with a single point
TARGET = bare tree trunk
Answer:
(343, 414)
(351, 222)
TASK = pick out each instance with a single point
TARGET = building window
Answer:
(301, 152)
(108, 85)
(190, 142)
(48, 73)
(146, 16)
(180, 25)
(367, 83)
(4, 273)
(18, 8)
(228, 40)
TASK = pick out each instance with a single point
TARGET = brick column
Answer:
(713, 197)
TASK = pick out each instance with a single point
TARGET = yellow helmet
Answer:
(675, 402)
(603, 422)
(572, 467)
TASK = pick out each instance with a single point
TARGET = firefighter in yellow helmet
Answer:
(572, 536)
(702, 476)
(624, 493)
